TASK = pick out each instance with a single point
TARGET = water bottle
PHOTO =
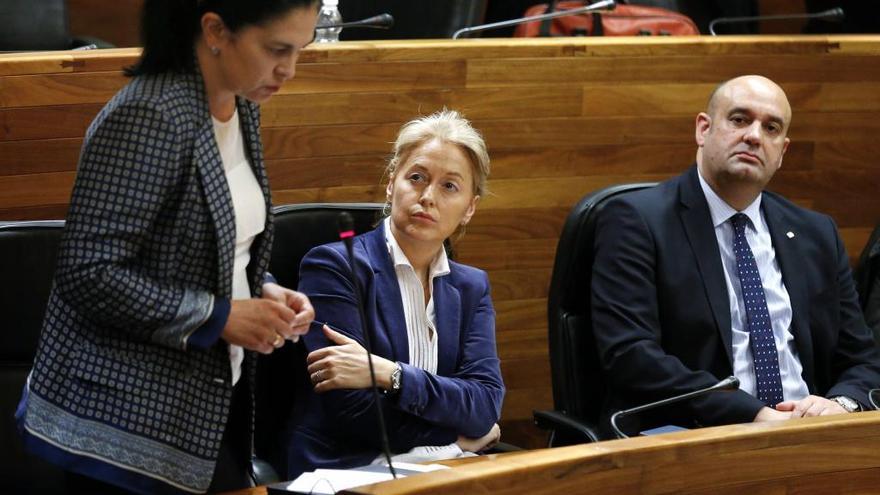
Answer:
(329, 15)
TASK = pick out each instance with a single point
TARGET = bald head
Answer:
(733, 91)
(742, 137)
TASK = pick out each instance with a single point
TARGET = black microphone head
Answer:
(386, 21)
(346, 225)
(729, 383)
(836, 14)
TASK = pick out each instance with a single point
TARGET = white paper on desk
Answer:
(330, 481)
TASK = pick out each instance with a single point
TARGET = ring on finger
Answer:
(278, 342)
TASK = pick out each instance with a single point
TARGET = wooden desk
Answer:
(814, 456)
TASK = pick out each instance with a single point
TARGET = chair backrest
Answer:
(578, 388)
(412, 20)
(27, 263)
(280, 375)
(867, 278)
(34, 25)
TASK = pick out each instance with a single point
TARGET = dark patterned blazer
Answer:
(131, 383)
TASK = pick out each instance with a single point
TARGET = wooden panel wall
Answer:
(562, 117)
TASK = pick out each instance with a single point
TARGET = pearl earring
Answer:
(215, 51)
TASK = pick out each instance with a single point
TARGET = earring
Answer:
(386, 208)
(215, 51)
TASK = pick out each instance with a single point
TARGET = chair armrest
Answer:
(559, 422)
(502, 447)
(263, 473)
(91, 40)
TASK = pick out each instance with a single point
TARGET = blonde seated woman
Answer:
(431, 320)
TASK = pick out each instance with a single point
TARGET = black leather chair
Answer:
(39, 25)
(867, 278)
(578, 389)
(412, 20)
(280, 375)
(27, 261)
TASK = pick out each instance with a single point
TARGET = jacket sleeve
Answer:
(130, 167)
(325, 278)
(470, 400)
(626, 325)
(856, 359)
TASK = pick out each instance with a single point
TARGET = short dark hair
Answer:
(169, 28)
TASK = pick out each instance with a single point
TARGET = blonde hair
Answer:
(447, 126)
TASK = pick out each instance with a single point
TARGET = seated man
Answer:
(707, 275)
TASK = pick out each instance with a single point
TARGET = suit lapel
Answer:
(387, 297)
(209, 166)
(698, 227)
(249, 115)
(787, 255)
(250, 127)
(447, 308)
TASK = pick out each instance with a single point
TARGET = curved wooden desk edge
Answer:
(808, 453)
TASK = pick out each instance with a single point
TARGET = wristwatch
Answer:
(395, 379)
(847, 403)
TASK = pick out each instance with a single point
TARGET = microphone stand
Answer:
(381, 21)
(346, 232)
(604, 5)
(835, 14)
(728, 384)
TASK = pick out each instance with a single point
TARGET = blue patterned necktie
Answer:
(769, 382)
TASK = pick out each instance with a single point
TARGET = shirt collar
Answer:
(439, 266)
(721, 211)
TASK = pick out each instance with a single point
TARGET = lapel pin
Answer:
(790, 234)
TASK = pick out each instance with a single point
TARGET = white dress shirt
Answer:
(778, 302)
(250, 213)
(421, 331)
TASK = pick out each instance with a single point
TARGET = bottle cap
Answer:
(331, 3)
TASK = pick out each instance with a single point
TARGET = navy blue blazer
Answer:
(338, 429)
(661, 314)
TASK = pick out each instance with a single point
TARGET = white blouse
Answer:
(421, 332)
(250, 213)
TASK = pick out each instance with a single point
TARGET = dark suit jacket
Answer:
(129, 382)
(339, 429)
(661, 314)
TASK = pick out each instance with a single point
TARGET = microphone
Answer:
(381, 21)
(346, 233)
(730, 383)
(835, 14)
(604, 5)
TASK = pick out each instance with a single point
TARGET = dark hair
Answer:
(169, 28)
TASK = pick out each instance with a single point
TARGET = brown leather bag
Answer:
(625, 20)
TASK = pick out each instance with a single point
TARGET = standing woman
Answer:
(431, 320)
(140, 383)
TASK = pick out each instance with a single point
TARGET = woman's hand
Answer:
(485, 442)
(264, 324)
(258, 324)
(298, 302)
(345, 366)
